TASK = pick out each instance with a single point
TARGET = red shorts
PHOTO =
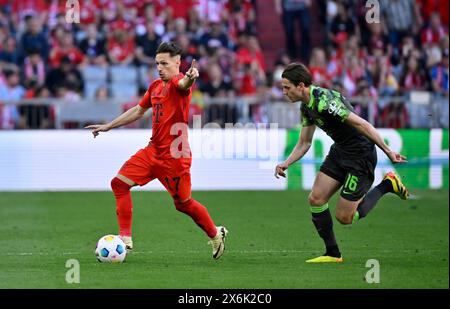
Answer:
(174, 174)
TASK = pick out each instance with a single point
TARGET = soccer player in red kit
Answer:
(167, 157)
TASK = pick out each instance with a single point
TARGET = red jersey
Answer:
(169, 117)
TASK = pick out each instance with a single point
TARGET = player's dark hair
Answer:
(169, 47)
(297, 73)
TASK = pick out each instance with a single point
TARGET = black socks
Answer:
(371, 199)
(323, 222)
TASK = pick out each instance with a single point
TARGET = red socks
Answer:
(124, 206)
(124, 210)
(199, 214)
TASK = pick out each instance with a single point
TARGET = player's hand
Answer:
(279, 170)
(96, 128)
(192, 73)
(396, 157)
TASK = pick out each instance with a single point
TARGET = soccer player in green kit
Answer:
(350, 163)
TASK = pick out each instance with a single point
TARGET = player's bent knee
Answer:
(315, 200)
(344, 219)
(119, 187)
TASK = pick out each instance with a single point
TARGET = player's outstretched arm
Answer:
(371, 133)
(189, 78)
(129, 116)
(300, 149)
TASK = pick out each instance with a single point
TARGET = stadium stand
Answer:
(383, 68)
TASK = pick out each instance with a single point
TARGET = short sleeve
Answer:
(334, 106)
(174, 85)
(146, 101)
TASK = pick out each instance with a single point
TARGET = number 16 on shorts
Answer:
(351, 184)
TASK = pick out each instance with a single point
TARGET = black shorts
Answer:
(355, 174)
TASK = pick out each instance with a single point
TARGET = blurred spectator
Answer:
(439, 75)
(401, 17)
(24, 8)
(59, 19)
(367, 99)
(178, 27)
(394, 115)
(434, 32)
(428, 7)
(337, 86)
(276, 88)
(37, 115)
(179, 8)
(10, 90)
(412, 78)
(56, 36)
(34, 37)
(121, 18)
(377, 39)
(409, 47)
(389, 58)
(342, 24)
(8, 51)
(146, 45)
(318, 68)
(241, 17)
(196, 25)
(94, 47)
(89, 12)
(67, 92)
(213, 39)
(150, 15)
(290, 11)
(66, 76)
(214, 88)
(211, 10)
(189, 52)
(121, 48)
(102, 94)
(439, 80)
(433, 53)
(248, 79)
(380, 73)
(67, 49)
(353, 70)
(283, 59)
(34, 68)
(251, 52)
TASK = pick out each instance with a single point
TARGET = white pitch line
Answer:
(229, 251)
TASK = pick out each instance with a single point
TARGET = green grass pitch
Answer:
(271, 235)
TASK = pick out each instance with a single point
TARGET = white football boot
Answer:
(218, 242)
(128, 242)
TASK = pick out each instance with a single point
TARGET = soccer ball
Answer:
(110, 249)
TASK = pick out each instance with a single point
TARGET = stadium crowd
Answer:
(110, 53)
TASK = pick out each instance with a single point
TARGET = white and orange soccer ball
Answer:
(110, 249)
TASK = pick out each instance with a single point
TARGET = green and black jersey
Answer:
(328, 110)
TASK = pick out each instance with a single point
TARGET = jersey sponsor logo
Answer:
(334, 108)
